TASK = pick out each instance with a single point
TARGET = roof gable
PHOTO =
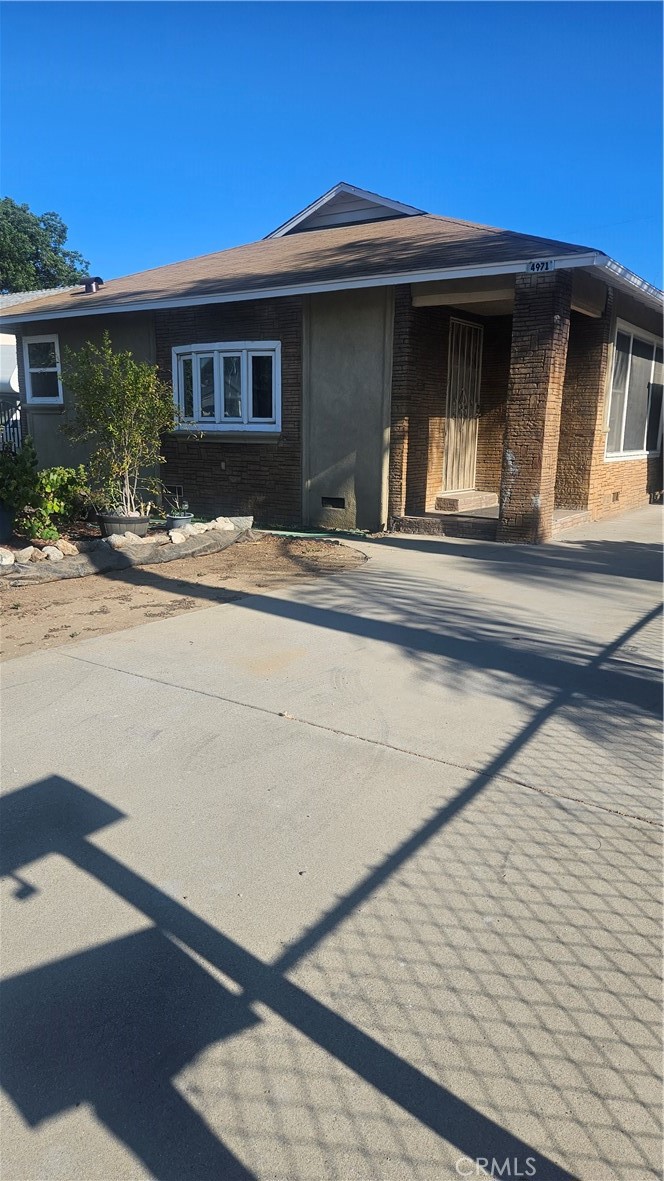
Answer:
(343, 205)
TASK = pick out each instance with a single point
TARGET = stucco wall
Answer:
(347, 378)
(44, 423)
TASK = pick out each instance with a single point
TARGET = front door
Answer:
(463, 405)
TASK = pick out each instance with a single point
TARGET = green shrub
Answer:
(18, 476)
(42, 501)
(60, 497)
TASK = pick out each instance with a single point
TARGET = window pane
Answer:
(621, 361)
(654, 417)
(613, 442)
(637, 397)
(207, 386)
(44, 385)
(232, 387)
(187, 388)
(41, 355)
(261, 387)
(655, 407)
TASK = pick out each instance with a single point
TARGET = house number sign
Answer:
(539, 265)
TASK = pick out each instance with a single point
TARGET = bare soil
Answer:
(52, 613)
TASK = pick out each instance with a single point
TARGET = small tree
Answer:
(121, 408)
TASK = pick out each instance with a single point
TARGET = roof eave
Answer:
(619, 276)
(610, 270)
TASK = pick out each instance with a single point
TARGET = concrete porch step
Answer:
(448, 525)
(467, 501)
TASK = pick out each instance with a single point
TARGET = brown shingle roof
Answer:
(404, 245)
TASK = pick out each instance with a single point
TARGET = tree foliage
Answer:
(122, 408)
(33, 252)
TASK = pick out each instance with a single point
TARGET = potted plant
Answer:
(121, 410)
(179, 514)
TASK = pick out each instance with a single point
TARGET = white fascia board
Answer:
(342, 187)
(616, 273)
(563, 262)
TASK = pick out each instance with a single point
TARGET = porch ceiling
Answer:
(493, 295)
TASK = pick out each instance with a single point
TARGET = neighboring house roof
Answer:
(14, 297)
(404, 246)
(9, 386)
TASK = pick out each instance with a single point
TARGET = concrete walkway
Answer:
(356, 882)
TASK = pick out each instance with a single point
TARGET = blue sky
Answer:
(162, 131)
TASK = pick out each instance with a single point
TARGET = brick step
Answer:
(467, 501)
(568, 518)
(448, 525)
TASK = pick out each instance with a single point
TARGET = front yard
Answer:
(49, 614)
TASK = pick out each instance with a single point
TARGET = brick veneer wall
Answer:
(616, 486)
(583, 397)
(224, 474)
(540, 330)
(493, 402)
(402, 369)
(428, 392)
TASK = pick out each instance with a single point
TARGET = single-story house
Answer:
(368, 364)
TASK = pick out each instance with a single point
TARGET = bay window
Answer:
(232, 386)
(635, 406)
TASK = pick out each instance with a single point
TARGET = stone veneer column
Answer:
(540, 331)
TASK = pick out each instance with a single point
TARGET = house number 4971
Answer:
(538, 265)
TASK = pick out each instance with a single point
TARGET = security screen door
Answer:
(463, 404)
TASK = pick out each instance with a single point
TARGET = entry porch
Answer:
(499, 414)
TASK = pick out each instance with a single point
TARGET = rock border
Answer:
(128, 551)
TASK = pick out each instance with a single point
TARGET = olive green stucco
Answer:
(134, 332)
(346, 384)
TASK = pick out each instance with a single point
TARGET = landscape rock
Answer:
(199, 527)
(52, 553)
(241, 522)
(6, 557)
(177, 536)
(37, 555)
(134, 539)
(222, 523)
(66, 548)
(24, 555)
(123, 540)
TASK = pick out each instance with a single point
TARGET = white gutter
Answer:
(564, 262)
(616, 273)
(612, 271)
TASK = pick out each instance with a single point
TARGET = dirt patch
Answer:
(51, 614)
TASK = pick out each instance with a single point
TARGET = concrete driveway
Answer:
(357, 882)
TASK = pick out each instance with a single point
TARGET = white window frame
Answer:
(632, 331)
(50, 339)
(246, 349)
